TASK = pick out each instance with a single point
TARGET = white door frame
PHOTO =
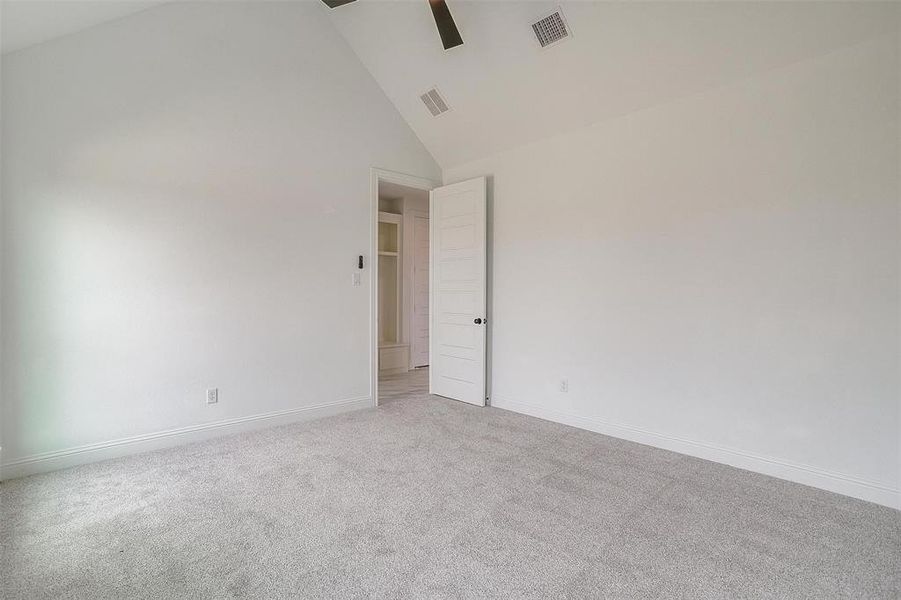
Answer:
(375, 176)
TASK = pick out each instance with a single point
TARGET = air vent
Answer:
(551, 29)
(434, 102)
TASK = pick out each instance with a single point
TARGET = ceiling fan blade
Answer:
(450, 37)
(336, 3)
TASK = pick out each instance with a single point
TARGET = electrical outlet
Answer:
(212, 396)
(564, 385)
(355, 280)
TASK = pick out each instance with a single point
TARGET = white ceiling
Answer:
(24, 23)
(394, 190)
(505, 91)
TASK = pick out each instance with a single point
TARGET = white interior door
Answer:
(420, 329)
(458, 268)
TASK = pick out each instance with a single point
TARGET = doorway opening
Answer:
(399, 285)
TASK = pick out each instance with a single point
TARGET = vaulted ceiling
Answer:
(505, 91)
(24, 23)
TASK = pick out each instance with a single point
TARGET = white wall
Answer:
(717, 275)
(185, 192)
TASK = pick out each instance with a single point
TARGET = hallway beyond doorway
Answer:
(412, 385)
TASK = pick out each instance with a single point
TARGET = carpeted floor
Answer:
(430, 498)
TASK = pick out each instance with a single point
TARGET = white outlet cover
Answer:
(212, 396)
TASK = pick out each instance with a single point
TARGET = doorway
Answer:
(400, 285)
(429, 313)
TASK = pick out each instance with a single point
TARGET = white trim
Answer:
(88, 453)
(376, 175)
(798, 473)
(386, 217)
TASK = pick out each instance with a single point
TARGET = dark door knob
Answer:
(478, 321)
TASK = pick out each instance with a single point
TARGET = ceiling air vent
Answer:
(551, 29)
(434, 102)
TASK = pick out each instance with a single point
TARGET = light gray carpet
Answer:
(430, 498)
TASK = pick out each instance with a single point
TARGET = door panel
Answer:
(458, 270)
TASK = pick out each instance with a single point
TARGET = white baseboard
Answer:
(79, 455)
(812, 476)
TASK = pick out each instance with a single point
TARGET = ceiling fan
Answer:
(450, 36)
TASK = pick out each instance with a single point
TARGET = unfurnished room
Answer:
(450, 299)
